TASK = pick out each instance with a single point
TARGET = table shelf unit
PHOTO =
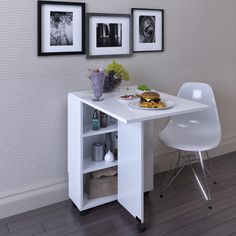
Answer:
(80, 164)
(90, 165)
(135, 142)
(89, 132)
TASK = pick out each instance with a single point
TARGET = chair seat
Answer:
(182, 138)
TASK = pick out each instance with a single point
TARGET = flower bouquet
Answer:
(115, 73)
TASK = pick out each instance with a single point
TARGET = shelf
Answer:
(89, 132)
(90, 165)
(89, 203)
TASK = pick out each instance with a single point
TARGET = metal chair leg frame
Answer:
(199, 182)
(169, 172)
(172, 173)
(206, 193)
(173, 178)
(210, 170)
(175, 167)
(205, 179)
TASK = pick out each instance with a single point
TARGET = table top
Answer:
(120, 109)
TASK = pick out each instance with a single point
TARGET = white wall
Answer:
(200, 45)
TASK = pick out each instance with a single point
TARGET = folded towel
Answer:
(112, 171)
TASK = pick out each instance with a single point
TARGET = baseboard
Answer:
(227, 145)
(33, 199)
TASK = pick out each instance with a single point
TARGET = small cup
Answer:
(98, 151)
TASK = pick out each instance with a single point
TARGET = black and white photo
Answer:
(61, 28)
(147, 29)
(148, 32)
(108, 35)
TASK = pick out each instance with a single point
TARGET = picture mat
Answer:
(77, 28)
(137, 46)
(124, 49)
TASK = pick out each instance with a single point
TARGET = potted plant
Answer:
(115, 73)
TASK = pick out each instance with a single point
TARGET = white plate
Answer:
(128, 99)
(169, 104)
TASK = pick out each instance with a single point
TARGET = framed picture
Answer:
(108, 35)
(61, 27)
(148, 30)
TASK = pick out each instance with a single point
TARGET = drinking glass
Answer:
(97, 78)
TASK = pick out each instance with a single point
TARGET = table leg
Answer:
(131, 168)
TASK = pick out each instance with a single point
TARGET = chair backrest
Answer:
(206, 120)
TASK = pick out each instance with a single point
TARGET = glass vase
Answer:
(97, 78)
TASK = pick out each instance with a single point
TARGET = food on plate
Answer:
(129, 96)
(151, 100)
(143, 87)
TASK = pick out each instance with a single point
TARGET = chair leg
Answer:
(207, 193)
(169, 173)
(198, 181)
(175, 169)
(172, 179)
(172, 173)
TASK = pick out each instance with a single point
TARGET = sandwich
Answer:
(151, 99)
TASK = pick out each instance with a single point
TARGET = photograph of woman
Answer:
(61, 28)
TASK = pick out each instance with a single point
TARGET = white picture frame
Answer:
(148, 30)
(108, 35)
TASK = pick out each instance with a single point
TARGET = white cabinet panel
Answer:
(75, 149)
(130, 168)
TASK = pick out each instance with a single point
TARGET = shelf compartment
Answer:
(89, 165)
(88, 132)
(89, 203)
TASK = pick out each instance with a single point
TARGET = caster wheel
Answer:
(141, 227)
(210, 207)
(161, 196)
(84, 213)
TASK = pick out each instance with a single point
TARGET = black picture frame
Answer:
(148, 30)
(108, 35)
(66, 35)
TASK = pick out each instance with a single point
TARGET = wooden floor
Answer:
(181, 212)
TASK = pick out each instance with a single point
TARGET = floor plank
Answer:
(34, 212)
(193, 229)
(27, 231)
(225, 229)
(40, 217)
(61, 231)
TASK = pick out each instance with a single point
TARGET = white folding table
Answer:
(135, 142)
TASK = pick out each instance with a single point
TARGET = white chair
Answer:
(192, 134)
